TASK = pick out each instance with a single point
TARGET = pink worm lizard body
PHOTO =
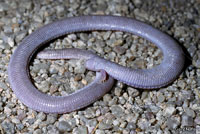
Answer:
(156, 77)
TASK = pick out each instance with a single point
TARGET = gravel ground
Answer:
(123, 110)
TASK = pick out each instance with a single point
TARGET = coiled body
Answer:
(156, 77)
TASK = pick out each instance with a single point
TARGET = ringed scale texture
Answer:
(159, 76)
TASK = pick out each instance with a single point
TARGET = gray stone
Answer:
(131, 126)
(132, 92)
(198, 80)
(20, 36)
(3, 85)
(187, 121)
(8, 127)
(20, 126)
(52, 129)
(1, 107)
(100, 131)
(26, 4)
(15, 120)
(60, 9)
(89, 113)
(30, 121)
(197, 63)
(53, 70)
(73, 122)
(122, 100)
(144, 95)
(64, 126)
(116, 123)
(21, 115)
(137, 2)
(84, 36)
(192, 49)
(143, 124)
(118, 91)
(117, 110)
(44, 86)
(170, 110)
(190, 112)
(2, 116)
(119, 49)
(133, 132)
(37, 131)
(113, 101)
(181, 84)
(106, 35)
(38, 67)
(79, 69)
(7, 110)
(11, 42)
(160, 98)
(197, 120)
(51, 118)
(81, 130)
(149, 115)
(7, 29)
(4, 6)
(172, 123)
(92, 122)
(41, 116)
(105, 126)
(107, 98)
(38, 18)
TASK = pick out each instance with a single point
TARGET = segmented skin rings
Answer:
(157, 77)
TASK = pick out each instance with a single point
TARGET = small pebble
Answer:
(37, 131)
(190, 112)
(119, 50)
(170, 110)
(3, 85)
(107, 98)
(161, 98)
(80, 130)
(20, 36)
(64, 126)
(117, 110)
(77, 78)
(8, 127)
(51, 118)
(100, 132)
(20, 126)
(187, 121)
(172, 123)
(104, 126)
(131, 126)
(197, 120)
